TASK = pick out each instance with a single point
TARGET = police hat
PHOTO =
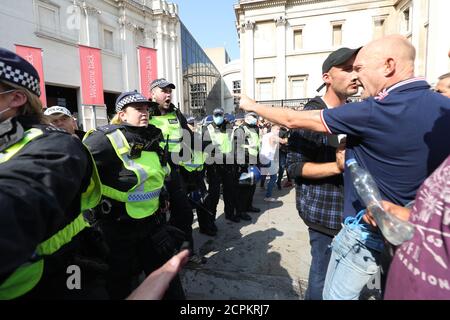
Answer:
(57, 110)
(253, 114)
(161, 83)
(130, 97)
(190, 120)
(218, 111)
(16, 70)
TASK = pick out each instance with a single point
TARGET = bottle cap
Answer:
(349, 162)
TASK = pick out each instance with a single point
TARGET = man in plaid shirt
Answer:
(316, 161)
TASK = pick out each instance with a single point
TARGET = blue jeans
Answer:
(270, 185)
(354, 261)
(320, 253)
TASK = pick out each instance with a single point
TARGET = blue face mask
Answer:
(218, 120)
(251, 121)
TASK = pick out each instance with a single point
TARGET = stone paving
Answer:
(266, 258)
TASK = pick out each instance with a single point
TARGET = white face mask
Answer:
(7, 109)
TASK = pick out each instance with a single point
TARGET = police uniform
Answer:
(47, 179)
(219, 170)
(171, 125)
(132, 168)
(247, 149)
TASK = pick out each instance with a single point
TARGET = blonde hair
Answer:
(116, 119)
(32, 107)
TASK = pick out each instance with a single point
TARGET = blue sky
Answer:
(211, 22)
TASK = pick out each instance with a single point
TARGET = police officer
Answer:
(220, 169)
(133, 170)
(167, 118)
(47, 178)
(247, 147)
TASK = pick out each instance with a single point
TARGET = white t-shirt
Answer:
(269, 150)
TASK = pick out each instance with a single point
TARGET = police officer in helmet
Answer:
(47, 179)
(132, 215)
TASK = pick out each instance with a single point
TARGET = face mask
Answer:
(251, 121)
(9, 108)
(218, 120)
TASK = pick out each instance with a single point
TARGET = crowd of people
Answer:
(118, 201)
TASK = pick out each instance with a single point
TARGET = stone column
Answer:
(129, 53)
(88, 35)
(160, 48)
(248, 59)
(281, 57)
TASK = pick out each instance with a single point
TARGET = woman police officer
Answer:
(132, 169)
(47, 179)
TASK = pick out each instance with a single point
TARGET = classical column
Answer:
(248, 59)
(160, 48)
(88, 34)
(129, 53)
(281, 57)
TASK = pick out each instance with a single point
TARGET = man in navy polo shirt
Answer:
(399, 134)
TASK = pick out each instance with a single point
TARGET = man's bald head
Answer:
(384, 62)
(393, 46)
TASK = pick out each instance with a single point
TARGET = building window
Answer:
(297, 87)
(198, 95)
(337, 34)
(298, 39)
(378, 27)
(108, 40)
(48, 17)
(264, 89)
(236, 90)
(406, 20)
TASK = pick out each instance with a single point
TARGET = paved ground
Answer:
(266, 258)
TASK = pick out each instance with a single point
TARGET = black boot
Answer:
(233, 218)
(253, 209)
(245, 216)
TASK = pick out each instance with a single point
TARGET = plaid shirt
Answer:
(319, 201)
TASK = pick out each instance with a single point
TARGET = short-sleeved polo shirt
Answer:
(400, 137)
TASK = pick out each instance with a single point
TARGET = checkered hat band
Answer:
(20, 78)
(130, 99)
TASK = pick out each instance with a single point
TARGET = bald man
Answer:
(399, 133)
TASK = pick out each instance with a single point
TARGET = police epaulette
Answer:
(110, 128)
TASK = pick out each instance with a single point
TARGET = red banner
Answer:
(91, 76)
(148, 70)
(34, 56)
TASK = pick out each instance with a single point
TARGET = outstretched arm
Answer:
(310, 120)
(156, 284)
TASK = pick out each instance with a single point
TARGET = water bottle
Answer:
(394, 230)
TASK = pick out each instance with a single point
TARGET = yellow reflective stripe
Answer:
(62, 237)
(122, 148)
(11, 151)
(25, 278)
(92, 196)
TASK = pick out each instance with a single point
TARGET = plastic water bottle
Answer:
(395, 231)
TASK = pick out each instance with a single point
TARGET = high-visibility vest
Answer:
(142, 200)
(169, 126)
(253, 141)
(222, 139)
(28, 275)
(196, 163)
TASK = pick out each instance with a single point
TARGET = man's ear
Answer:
(326, 78)
(389, 67)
